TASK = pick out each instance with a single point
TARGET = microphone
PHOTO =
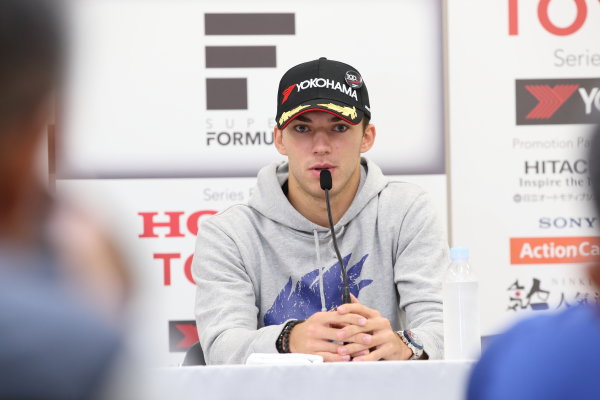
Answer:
(326, 185)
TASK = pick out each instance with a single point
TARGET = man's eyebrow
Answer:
(303, 118)
(306, 119)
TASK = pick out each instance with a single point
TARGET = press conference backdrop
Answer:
(170, 112)
(523, 79)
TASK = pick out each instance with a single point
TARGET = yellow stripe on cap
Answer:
(288, 114)
(345, 111)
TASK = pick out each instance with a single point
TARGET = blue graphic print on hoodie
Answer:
(305, 299)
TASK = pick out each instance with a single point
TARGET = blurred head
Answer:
(31, 52)
(594, 164)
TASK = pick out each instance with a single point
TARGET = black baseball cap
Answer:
(322, 85)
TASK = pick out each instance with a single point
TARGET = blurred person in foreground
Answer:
(548, 356)
(62, 283)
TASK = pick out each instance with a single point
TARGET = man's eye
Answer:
(340, 128)
(301, 128)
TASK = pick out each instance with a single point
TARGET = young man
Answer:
(268, 277)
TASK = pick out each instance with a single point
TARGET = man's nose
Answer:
(321, 142)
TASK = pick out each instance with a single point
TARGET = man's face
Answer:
(319, 140)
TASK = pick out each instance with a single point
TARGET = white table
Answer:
(414, 380)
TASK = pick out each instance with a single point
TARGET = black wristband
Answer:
(283, 341)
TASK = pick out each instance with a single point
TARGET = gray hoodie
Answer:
(262, 264)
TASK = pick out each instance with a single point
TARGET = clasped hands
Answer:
(350, 332)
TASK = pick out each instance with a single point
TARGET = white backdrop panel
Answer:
(137, 98)
(499, 186)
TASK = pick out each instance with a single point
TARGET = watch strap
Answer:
(413, 343)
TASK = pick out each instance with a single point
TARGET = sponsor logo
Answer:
(554, 250)
(553, 293)
(236, 138)
(567, 222)
(345, 111)
(327, 83)
(557, 101)
(555, 167)
(286, 93)
(353, 79)
(182, 335)
(543, 17)
(550, 99)
(176, 224)
(232, 93)
(535, 298)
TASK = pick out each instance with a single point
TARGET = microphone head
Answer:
(325, 178)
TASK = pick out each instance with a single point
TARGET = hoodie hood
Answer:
(269, 200)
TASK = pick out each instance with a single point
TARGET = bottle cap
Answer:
(459, 253)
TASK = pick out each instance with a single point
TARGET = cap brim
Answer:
(347, 113)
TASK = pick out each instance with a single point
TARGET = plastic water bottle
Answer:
(462, 339)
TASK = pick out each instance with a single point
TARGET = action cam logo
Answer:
(354, 79)
(557, 101)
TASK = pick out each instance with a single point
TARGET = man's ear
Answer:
(278, 141)
(368, 138)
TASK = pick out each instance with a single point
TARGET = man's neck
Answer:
(315, 208)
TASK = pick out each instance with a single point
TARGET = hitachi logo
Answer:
(540, 167)
(328, 83)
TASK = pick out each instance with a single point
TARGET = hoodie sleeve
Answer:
(226, 310)
(421, 261)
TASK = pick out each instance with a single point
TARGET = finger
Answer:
(332, 357)
(321, 332)
(353, 299)
(361, 338)
(335, 319)
(318, 346)
(368, 325)
(376, 355)
(353, 330)
(384, 337)
(361, 353)
(352, 348)
(358, 308)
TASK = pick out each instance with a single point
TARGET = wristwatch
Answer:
(413, 343)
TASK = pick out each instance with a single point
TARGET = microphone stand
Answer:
(326, 185)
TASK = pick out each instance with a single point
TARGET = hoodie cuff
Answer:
(266, 342)
(432, 343)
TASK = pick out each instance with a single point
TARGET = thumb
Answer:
(353, 299)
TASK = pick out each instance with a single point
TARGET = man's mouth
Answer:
(317, 168)
(321, 167)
